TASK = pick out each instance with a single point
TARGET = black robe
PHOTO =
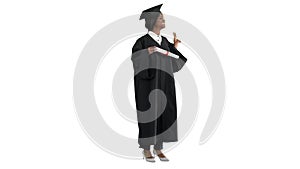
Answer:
(156, 109)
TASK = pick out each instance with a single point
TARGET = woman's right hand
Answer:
(151, 50)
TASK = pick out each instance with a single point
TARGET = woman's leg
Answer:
(158, 146)
(145, 147)
(147, 151)
(157, 150)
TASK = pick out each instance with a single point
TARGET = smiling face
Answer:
(160, 22)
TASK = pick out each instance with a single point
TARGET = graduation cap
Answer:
(146, 13)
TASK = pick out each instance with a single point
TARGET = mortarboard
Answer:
(152, 9)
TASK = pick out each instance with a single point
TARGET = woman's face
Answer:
(160, 22)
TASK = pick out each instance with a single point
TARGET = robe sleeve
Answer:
(141, 61)
(177, 64)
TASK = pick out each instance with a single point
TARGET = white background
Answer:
(257, 42)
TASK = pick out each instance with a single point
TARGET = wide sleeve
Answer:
(140, 59)
(177, 64)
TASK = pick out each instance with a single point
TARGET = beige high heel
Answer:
(149, 159)
(162, 158)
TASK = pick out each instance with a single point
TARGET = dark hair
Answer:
(151, 19)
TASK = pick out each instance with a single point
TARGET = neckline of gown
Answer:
(155, 41)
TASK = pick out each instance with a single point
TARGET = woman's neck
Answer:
(156, 31)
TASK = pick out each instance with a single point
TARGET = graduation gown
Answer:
(154, 87)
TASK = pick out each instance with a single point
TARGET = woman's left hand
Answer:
(176, 41)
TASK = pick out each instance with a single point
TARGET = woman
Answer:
(155, 86)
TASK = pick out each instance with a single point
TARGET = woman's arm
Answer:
(140, 60)
(176, 63)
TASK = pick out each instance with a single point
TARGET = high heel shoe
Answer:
(149, 159)
(161, 156)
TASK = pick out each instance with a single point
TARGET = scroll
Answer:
(165, 52)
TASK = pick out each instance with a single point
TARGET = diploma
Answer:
(165, 52)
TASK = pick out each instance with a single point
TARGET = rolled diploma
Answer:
(165, 52)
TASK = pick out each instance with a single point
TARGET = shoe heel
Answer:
(148, 160)
(161, 159)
